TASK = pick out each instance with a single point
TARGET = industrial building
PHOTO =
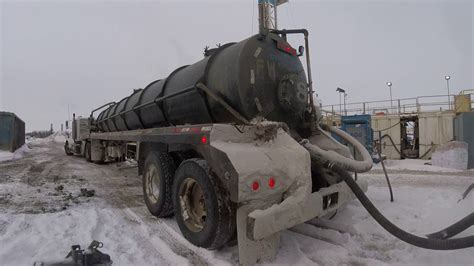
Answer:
(408, 128)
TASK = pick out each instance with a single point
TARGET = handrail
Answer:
(427, 103)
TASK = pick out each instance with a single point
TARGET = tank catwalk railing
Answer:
(432, 103)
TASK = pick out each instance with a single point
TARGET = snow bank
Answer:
(453, 154)
(413, 165)
(19, 153)
(59, 137)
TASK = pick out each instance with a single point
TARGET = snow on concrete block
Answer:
(453, 154)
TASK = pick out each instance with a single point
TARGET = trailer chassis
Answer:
(263, 170)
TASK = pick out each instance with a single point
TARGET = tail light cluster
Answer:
(269, 182)
(285, 47)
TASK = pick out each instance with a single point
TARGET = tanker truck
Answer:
(233, 147)
(218, 145)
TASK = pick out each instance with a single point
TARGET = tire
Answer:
(218, 223)
(157, 181)
(66, 149)
(87, 152)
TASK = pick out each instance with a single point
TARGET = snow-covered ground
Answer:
(19, 153)
(42, 213)
(414, 165)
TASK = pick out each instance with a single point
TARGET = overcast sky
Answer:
(81, 54)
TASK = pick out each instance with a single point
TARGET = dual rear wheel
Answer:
(203, 211)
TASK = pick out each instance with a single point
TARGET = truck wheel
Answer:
(66, 149)
(205, 215)
(87, 152)
(157, 180)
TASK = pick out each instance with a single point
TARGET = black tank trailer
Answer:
(218, 145)
(259, 76)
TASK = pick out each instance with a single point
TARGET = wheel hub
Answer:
(193, 205)
(153, 184)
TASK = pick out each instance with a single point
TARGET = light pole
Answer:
(345, 110)
(340, 104)
(447, 78)
(389, 84)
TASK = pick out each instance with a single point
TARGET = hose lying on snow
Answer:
(455, 228)
(341, 165)
(337, 159)
(438, 244)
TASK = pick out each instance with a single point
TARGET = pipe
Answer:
(100, 107)
(335, 158)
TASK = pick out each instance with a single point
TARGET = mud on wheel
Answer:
(203, 211)
(157, 180)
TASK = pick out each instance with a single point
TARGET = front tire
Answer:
(87, 152)
(204, 213)
(66, 149)
(157, 181)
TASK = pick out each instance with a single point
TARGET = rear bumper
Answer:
(264, 223)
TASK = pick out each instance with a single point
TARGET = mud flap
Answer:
(251, 251)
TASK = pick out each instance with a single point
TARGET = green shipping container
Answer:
(464, 131)
(12, 132)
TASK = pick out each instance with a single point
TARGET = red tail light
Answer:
(271, 182)
(286, 48)
(255, 185)
(204, 140)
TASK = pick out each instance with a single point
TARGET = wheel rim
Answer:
(153, 184)
(193, 205)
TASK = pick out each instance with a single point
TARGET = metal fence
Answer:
(432, 103)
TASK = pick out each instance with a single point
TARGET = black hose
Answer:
(471, 187)
(386, 175)
(436, 244)
(391, 140)
(455, 228)
(392, 126)
(426, 152)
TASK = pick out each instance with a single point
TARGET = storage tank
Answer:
(259, 76)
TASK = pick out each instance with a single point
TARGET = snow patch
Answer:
(19, 153)
(453, 155)
(414, 165)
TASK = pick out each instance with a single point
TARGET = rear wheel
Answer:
(157, 180)
(203, 211)
(87, 152)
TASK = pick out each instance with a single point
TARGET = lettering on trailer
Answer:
(192, 129)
